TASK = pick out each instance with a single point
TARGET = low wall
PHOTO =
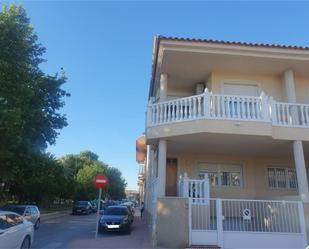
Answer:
(172, 229)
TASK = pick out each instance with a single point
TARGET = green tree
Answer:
(30, 102)
(82, 169)
(85, 176)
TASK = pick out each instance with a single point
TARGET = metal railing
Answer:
(246, 215)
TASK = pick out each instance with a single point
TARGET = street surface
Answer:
(78, 232)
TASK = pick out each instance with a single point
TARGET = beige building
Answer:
(141, 151)
(227, 136)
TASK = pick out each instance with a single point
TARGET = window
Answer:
(241, 89)
(282, 178)
(222, 174)
(13, 220)
(3, 223)
(34, 210)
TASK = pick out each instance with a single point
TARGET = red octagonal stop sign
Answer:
(101, 181)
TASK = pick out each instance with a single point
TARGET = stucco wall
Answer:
(302, 90)
(271, 84)
(172, 222)
(254, 169)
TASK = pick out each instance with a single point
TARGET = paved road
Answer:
(78, 232)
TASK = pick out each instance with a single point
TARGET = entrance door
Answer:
(171, 177)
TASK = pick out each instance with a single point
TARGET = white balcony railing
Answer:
(228, 107)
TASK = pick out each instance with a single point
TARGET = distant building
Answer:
(141, 154)
(132, 195)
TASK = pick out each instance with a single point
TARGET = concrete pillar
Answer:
(149, 162)
(299, 160)
(161, 168)
(301, 171)
(163, 87)
(288, 80)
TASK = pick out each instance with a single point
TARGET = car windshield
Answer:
(115, 211)
(16, 209)
(81, 203)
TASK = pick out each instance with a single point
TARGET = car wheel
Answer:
(128, 230)
(26, 243)
(37, 224)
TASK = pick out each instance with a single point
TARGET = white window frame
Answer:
(287, 182)
(220, 169)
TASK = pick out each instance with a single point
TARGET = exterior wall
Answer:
(302, 90)
(227, 127)
(172, 228)
(255, 184)
(271, 85)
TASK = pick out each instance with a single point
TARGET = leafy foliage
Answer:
(30, 120)
(29, 111)
(83, 168)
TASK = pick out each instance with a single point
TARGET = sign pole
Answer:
(98, 213)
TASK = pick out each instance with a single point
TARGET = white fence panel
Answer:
(195, 188)
(247, 223)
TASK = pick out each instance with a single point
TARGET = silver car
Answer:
(15, 231)
(29, 212)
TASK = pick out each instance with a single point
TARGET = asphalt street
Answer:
(78, 232)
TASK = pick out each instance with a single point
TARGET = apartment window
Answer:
(282, 178)
(222, 174)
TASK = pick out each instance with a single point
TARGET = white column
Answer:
(288, 80)
(163, 87)
(300, 166)
(301, 170)
(148, 169)
(161, 168)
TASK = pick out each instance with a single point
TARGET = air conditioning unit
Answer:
(199, 88)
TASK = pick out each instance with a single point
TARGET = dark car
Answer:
(131, 211)
(107, 204)
(115, 218)
(29, 212)
(94, 207)
(82, 207)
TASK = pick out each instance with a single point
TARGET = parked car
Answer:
(29, 212)
(107, 204)
(82, 207)
(131, 211)
(115, 218)
(130, 206)
(94, 207)
(15, 231)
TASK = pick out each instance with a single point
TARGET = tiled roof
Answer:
(247, 44)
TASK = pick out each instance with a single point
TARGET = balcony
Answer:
(209, 106)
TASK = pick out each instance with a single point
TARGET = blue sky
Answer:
(106, 48)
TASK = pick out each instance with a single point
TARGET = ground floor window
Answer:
(222, 174)
(281, 177)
